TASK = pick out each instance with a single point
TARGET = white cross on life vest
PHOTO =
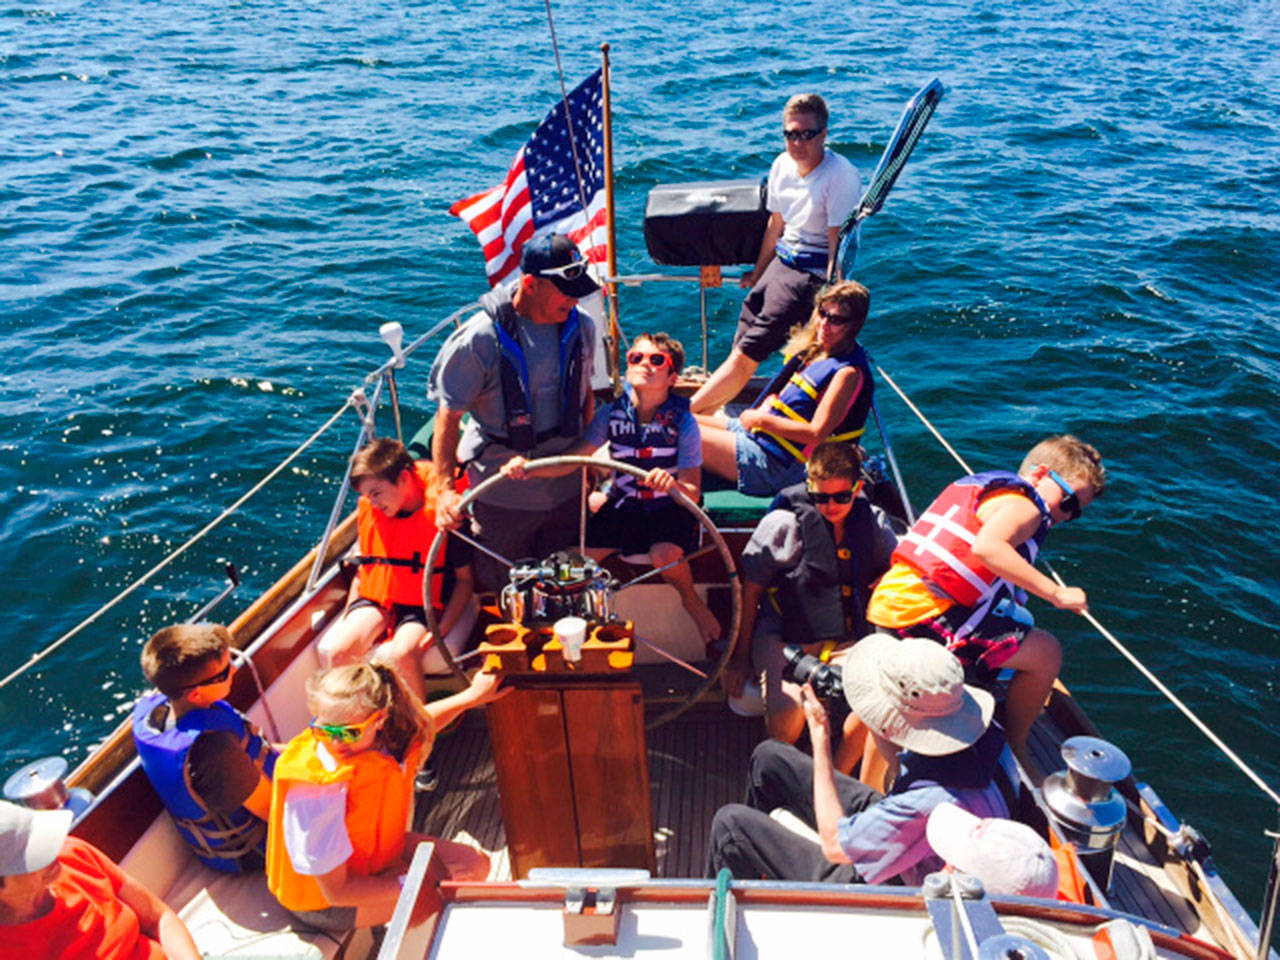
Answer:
(920, 543)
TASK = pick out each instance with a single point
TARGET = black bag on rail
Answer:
(705, 224)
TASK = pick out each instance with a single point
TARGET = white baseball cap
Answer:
(1008, 857)
(30, 840)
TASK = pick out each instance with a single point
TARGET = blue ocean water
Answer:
(207, 210)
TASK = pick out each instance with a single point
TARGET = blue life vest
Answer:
(218, 840)
(513, 372)
(648, 445)
(795, 393)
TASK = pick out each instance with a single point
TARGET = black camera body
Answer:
(825, 678)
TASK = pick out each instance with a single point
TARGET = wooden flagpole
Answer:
(611, 292)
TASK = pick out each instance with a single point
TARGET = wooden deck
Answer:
(698, 763)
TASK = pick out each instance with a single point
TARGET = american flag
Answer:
(541, 193)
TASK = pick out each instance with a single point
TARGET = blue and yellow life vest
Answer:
(513, 373)
(647, 445)
(795, 393)
(219, 840)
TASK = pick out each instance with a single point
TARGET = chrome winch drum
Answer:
(563, 585)
(1084, 804)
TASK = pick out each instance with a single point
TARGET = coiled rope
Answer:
(1107, 634)
(200, 535)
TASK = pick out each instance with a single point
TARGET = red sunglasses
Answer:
(656, 360)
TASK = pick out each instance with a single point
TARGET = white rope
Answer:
(42, 654)
(1107, 634)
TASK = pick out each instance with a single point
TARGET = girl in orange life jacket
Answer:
(396, 516)
(956, 575)
(824, 392)
(342, 796)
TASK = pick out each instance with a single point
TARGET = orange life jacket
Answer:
(379, 805)
(405, 542)
(1072, 886)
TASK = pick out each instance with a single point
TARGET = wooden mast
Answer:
(611, 289)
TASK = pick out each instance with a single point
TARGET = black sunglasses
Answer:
(656, 360)
(794, 135)
(835, 317)
(207, 681)
(1070, 504)
(843, 496)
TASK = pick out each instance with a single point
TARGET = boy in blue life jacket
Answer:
(961, 574)
(650, 427)
(209, 764)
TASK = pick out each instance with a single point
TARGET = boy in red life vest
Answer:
(961, 573)
(210, 765)
(649, 427)
(396, 519)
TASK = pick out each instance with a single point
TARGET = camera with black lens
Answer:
(825, 678)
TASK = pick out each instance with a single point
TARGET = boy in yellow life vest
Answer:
(396, 519)
(962, 572)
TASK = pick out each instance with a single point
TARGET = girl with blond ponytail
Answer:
(338, 839)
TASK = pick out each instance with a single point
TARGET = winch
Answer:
(565, 584)
(1084, 804)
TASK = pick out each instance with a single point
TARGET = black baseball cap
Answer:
(556, 258)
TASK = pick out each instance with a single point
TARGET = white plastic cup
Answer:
(571, 631)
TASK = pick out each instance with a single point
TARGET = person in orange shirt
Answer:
(61, 897)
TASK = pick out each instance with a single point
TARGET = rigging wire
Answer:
(568, 117)
(207, 528)
(1107, 634)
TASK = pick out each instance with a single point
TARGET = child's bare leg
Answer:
(462, 861)
(876, 764)
(350, 638)
(403, 652)
(681, 577)
(853, 739)
(783, 709)
(1035, 666)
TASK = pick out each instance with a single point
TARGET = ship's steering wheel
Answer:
(584, 463)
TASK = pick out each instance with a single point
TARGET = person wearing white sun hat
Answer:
(62, 897)
(1008, 857)
(911, 695)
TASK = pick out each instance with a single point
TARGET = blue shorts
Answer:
(761, 473)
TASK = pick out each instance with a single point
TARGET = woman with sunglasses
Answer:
(809, 567)
(823, 392)
(342, 794)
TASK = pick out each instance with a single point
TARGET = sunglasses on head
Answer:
(209, 681)
(1070, 504)
(840, 496)
(834, 317)
(570, 271)
(343, 732)
(794, 135)
(656, 360)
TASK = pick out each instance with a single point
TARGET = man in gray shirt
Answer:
(522, 369)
